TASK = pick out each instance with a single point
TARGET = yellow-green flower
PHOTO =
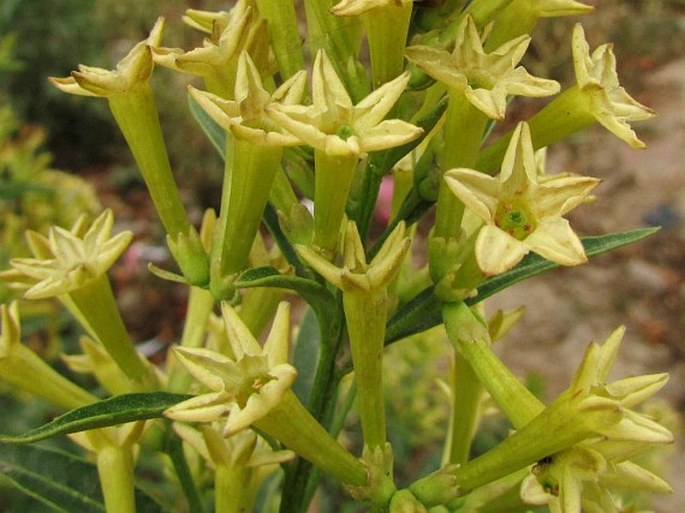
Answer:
(522, 213)
(333, 125)
(252, 387)
(365, 301)
(486, 79)
(133, 71)
(586, 476)
(72, 266)
(216, 61)
(246, 116)
(75, 260)
(241, 462)
(246, 387)
(598, 82)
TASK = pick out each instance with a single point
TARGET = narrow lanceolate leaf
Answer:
(423, 312)
(109, 412)
(61, 481)
(215, 134)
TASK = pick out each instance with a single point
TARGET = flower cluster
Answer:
(388, 105)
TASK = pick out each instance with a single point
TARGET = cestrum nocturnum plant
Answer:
(521, 212)
(485, 79)
(254, 388)
(587, 476)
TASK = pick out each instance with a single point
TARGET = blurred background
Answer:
(60, 154)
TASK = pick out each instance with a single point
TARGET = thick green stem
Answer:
(332, 183)
(366, 314)
(568, 113)
(136, 115)
(231, 483)
(471, 339)
(251, 173)
(98, 306)
(467, 394)
(291, 424)
(200, 304)
(27, 371)
(463, 134)
(386, 32)
(115, 468)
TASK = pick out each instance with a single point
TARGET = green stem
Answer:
(200, 303)
(566, 114)
(463, 134)
(483, 11)
(366, 314)
(471, 339)
(340, 37)
(300, 479)
(231, 483)
(98, 306)
(291, 424)
(248, 175)
(467, 394)
(27, 371)
(115, 468)
(136, 115)
(386, 32)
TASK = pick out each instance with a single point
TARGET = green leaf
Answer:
(423, 311)
(313, 292)
(109, 412)
(60, 480)
(306, 355)
(213, 131)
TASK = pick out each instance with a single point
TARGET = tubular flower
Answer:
(588, 475)
(522, 212)
(72, 265)
(216, 61)
(253, 388)
(132, 72)
(241, 463)
(333, 125)
(76, 260)
(486, 79)
(597, 80)
(246, 387)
